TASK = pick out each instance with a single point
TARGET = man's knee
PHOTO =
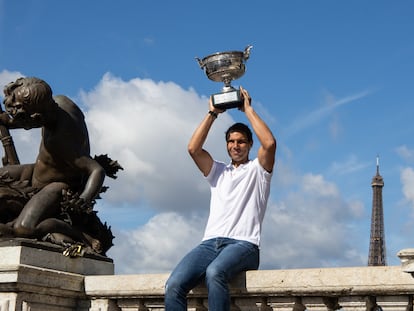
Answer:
(172, 288)
(215, 273)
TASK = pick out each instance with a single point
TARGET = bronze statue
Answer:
(53, 198)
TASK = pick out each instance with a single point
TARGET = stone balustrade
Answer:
(354, 288)
(33, 279)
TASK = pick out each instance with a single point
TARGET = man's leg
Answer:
(235, 256)
(187, 274)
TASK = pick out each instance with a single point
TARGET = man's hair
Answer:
(240, 128)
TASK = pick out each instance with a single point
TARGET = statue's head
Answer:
(27, 99)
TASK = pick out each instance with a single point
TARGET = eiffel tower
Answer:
(377, 254)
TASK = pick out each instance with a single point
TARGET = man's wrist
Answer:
(213, 114)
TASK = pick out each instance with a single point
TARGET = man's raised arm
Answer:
(267, 150)
(201, 157)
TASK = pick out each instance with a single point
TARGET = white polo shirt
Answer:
(238, 201)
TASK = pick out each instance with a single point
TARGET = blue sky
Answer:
(333, 79)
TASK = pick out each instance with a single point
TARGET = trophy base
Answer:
(227, 100)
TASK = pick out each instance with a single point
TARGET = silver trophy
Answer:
(226, 67)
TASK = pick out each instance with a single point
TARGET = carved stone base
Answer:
(37, 276)
(50, 256)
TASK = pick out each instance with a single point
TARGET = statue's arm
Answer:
(14, 123)
(5, 119)
(17, 172)
(96, 176)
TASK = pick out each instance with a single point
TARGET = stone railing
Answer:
(34, 279)
(356, 288)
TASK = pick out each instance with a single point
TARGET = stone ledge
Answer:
(31, 279)
(49, 256)
(349, 281)
(125, 285)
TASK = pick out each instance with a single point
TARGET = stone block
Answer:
(47, 255)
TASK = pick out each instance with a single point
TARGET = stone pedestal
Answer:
(407, 259)
(36, 276)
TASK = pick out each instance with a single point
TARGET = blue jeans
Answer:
(216, 261)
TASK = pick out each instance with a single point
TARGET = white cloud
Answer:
(157, 246)
(316, 185)
(146, 126)
(407, 180)
(315, 116)
(350, 165)
(311, 227)
(405, 153)
(8, 76)
(335, 128)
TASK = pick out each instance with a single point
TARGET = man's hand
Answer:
(247, 100)
(214, 109)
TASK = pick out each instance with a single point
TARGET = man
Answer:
(32, 194)
(239, 194)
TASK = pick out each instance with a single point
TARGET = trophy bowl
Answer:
(226, 67)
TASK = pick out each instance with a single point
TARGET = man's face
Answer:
(238, 147)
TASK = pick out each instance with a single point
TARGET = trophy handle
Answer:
(200, 62)
(246, 53)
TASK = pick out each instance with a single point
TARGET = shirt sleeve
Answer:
(215, 173)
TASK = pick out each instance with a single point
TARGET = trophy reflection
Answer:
(226, 67)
